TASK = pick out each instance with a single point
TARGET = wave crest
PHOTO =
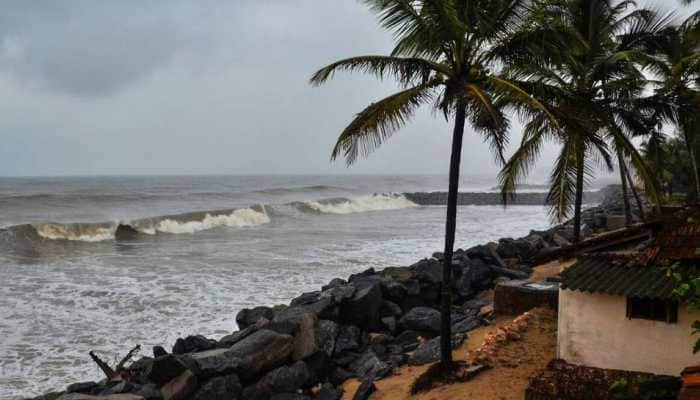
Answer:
(240, 218)
(76, 232)
(374, 202)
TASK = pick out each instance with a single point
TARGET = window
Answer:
(652, 309)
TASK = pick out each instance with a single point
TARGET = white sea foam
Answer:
(75, 232)
(239, 218)
(375, 202)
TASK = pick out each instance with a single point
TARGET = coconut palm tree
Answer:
(593, 87)
(677, 82)
(445, 57)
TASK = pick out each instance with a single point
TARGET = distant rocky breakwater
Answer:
(491, 198)
(363, 327)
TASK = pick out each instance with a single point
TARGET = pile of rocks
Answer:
(364, 327)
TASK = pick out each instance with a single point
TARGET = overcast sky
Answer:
(197, 87)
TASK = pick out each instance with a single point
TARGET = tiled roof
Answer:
(617, 276)
(640, 273)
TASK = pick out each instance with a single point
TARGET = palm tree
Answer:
(593, 88)
(444, 54)
(677, 70)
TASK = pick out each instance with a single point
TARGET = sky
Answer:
(200, 87)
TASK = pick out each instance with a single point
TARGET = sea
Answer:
(105, 263)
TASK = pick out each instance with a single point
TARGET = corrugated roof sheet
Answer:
(616, 276)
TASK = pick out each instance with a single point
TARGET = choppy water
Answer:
(106, 263)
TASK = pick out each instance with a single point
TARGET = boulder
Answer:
(82, 387)
(148, 392)
(329, 392)
(235, 337)
(421, 319)
(429, 270)
(305, 298)
(390, 309)
(285, 379)
(249, 316)
(261, 351)
(217, 362)
(362, 309)
(226, 387)
(429, 352)
(465, 325)
(327, 334)
(338, 293)
(349, 339)
(320, 365)
(302, 325)
(165, 368)
(159, 351)
(81, 396)
(120, 387)
(180, 388)
(290, 396)
(334, 283)
(365, 390)
(509, 273)
(192, 344)
(389, 323)
(393, 290)
(476, 275)
(368, 365)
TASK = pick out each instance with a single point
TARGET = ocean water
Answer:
(104, 264)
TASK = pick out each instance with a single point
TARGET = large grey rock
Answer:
(421, 319)
(262, 351)
(192, 344)
(466, 325)
(327, 335)
(217, 362)
(368, 365)
(220, 388)
(249, 316)
(164, 369)
(362, 309)
(180, 388)
(81, 387)
(303, 325)
(365, 390)
(349, 339)
(285, 379)
(429, 352)
(80, 396)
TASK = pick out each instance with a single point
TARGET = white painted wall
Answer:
(594, 331)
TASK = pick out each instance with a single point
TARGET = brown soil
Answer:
(549, 270)
(514, 362)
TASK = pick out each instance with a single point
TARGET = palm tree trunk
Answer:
(623, 181)
(635, 193)
(693, 162)
(450, 227)
(579, 195)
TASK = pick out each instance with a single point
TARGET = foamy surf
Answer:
(375, 202)
(76, 232)
(240, 218)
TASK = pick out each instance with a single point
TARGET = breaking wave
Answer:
(239, 218)
(374, 202)
(190, 223)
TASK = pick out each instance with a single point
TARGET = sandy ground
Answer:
(515, 362)
(551, 269)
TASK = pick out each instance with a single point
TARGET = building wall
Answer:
(594, 331)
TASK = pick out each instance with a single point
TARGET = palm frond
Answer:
(376, 123)
(406, 71)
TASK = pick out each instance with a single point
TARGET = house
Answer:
(617, 309)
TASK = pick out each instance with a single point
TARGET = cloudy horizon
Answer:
(208, 87)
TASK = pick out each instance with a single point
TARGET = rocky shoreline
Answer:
(363, 327)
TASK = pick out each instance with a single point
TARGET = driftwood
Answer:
(119, 373)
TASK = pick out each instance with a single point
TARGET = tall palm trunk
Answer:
(623, 181)
(635, 193)
(694, 166)
(579, 194)
(450, 226)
